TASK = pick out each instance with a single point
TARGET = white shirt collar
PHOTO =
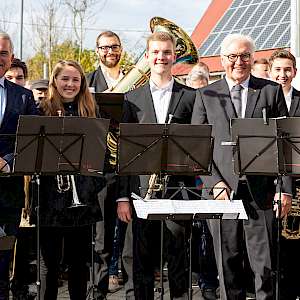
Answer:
(2, 81)
(288, 98)
(231, 83)
(168, 87)
(111, 82)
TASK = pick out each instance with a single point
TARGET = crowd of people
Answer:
(230, 258)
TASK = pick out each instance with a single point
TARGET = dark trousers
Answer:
(105, 233)
(5, 259)
(229, 237)
(146, 249)
(73, 245)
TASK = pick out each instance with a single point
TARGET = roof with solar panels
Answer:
(266, 21)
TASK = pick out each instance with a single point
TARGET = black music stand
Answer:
(272, 151)
(166, 149)
(58, 145)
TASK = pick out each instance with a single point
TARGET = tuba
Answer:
(186, 52)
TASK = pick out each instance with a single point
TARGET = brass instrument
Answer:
(65, 182)
(291, 222)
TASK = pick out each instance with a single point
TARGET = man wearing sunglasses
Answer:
(241, 95)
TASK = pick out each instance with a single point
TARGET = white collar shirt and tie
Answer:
(244, 94)
(288, 98)
(3, 99)
(161, 99)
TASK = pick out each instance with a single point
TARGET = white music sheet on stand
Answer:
(230, 209)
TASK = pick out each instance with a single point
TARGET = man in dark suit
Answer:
(283, 70)
(241, 95)
(161, 100)
(105, 78)
(14, 101)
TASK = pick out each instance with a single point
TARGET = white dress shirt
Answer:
(161, 99)
(288, 98)
(244, 92)
(111, 82)
(3, 99)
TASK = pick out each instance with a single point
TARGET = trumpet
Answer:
(65, 182)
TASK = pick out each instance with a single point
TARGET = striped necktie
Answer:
(236, 97)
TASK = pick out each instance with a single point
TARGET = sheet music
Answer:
(164, 206)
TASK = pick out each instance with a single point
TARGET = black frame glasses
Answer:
(114, 48)
(245, 57)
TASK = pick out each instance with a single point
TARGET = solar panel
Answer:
(247, 13)
(269, 13)
(266, 21)
(224, 20)
(255, 17)
(280, 13)
(239, 11)
(284, 40)
(271, 41)
(236, 3)
(268, 30)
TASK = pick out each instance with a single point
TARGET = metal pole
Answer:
(21, 30)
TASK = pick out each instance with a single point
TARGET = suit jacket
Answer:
(295, 105)
(96, 79)
(20, 101)
(139, 108)
(213, 105)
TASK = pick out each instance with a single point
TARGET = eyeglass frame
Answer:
(107, 48)
(236, 56)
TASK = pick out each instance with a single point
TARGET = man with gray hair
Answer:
(241, 95)
(15, 100)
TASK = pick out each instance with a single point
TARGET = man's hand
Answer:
(124, 211)
(286, 204)
(221, 191)
(4, 168)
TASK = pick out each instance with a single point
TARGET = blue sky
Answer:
(129, 18)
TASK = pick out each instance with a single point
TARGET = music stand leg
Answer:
(190, 293)
(161, 280)
(278, 237)
(91, 290)
(38, 259)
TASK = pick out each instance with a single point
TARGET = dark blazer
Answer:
(20, 101)
(213, 105)
(295, 105)
(96, 79)
(138, 108)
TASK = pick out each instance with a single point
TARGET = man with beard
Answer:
(105, 78)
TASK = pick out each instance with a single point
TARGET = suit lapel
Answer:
(100, 81)
(10, 98)
(150, 116)
(252, 98)
(294, 103)
(177, 93)
(225, 99)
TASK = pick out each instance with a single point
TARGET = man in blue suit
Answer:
(14, 101)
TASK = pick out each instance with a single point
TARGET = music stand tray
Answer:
(60, 145)
(110, 105)
(172, 149)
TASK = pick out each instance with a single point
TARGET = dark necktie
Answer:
(236, 97)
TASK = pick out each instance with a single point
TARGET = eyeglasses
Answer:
(244, 57)
(114, 48)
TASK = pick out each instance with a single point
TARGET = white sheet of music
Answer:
(230, 209)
